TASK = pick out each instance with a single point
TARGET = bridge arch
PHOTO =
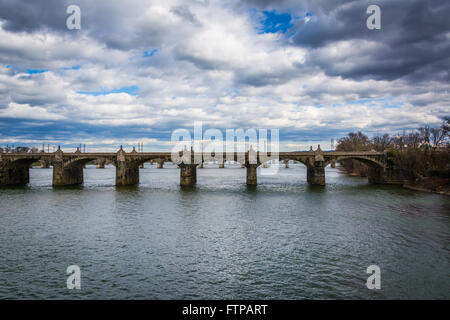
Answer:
(81, 161)
(23, 161)
(303, 161)
(370, 161)
(158, 160)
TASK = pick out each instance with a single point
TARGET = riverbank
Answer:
(431, 184)
(437, 185)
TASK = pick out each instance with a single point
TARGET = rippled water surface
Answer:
(220, 239)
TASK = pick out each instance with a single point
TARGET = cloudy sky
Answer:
(137, 70)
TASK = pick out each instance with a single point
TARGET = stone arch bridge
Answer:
(68, 167)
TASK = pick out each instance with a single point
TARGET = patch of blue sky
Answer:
(148, 53)
(28, 71)
(36, 71)
(131, 90)
(274, 22)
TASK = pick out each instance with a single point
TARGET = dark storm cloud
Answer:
(412, 37)
(385, 62)
(29, 16)
(106, 21)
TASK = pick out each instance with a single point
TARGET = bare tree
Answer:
(437, 136)
(354, 142)
(446, 128)
(381, 143)
(413, 140)
(399, 141)
(425, 133)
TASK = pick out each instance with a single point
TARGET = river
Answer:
(222, 240)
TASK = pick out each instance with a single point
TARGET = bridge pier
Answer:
(252, 177)
(286, 164)
(221, 165)
(141, 166)
(200, 166)
(315, 168)
(333, 164)
(66, 176)
(127, 173)
(389, 175)
(160, 164)
(316, 174)
(188, 174)
(14, 176)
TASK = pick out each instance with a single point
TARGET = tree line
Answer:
(420, 153)
(423, 138)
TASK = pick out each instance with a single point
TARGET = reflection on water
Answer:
(282, 239)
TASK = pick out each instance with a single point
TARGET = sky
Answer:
(138, 70)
